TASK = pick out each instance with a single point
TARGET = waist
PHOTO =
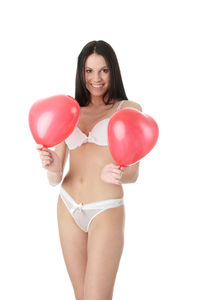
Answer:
(91, 188)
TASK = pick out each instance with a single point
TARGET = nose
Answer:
(96, 77)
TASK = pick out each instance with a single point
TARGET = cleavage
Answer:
(87, 129)
(87, 132)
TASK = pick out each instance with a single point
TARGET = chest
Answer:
(88, 120)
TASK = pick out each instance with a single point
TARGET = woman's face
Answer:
(97, 75)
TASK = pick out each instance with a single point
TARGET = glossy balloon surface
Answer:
(52, 120)
(131, 135)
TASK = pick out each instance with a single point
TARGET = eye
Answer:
(105, 70)
(88, 71)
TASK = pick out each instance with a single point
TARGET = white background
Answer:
(157, 45)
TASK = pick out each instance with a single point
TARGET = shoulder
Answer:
(129, 103)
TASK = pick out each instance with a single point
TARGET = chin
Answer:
(97, 94)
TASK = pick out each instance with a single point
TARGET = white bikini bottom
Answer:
(83, 214)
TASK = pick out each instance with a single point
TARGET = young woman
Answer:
(90, 206)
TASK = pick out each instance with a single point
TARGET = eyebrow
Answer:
(100, 69)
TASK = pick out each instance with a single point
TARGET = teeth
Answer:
(97, 86)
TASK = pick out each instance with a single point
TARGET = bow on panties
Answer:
(76, 206)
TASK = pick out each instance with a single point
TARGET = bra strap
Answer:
(120, 104)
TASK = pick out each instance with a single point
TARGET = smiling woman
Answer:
(98, 68)
(90, 209)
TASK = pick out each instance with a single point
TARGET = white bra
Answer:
(98, 134)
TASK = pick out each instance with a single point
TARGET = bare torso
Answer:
(83, 181)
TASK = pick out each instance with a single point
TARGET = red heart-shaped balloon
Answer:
(53, 119)
(131, 135)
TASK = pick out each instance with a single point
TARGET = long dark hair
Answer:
(116, 88)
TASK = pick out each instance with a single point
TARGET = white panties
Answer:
(83, 214)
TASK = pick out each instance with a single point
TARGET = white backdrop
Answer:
(157, 45)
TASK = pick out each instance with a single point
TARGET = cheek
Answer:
(87, 78)
(107, 78)
(87, 83)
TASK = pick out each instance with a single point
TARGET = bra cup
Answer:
(99, 132)
(75, 139)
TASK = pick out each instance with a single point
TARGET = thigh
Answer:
(105, 246)
(74, 247)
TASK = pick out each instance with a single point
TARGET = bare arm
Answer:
(54, 161)
(55, 177)
(62, 151)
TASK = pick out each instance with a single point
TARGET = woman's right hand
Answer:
(49, 159)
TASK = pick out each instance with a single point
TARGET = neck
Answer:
(97, 101)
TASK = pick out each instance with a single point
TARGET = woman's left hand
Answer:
(112, 173)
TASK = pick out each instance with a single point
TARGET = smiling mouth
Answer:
(97, 86)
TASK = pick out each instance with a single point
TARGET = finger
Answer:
(116, 176)
(45, 154)
(115, 180)
(116, 171)
(47, 161)
(113, 166)
(46, 151)
(117, 167)
(121, 168)
(45, 164)
(39, 147)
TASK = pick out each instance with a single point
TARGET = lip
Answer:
(97, 86)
